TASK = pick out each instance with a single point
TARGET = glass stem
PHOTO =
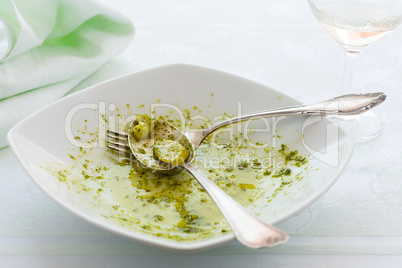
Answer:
(350, 63)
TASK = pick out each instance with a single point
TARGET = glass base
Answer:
(363, 127)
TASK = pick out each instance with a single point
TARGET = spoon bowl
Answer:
(144, 152)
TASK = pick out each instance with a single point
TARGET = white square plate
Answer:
(43, 137)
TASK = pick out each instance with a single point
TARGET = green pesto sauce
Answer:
(142, 127)
(170, 151)
(177, 207)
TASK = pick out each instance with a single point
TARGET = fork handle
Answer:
(343, 105)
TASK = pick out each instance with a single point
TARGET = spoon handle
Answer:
(249, 230)
(343, 105)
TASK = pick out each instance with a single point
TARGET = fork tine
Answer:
(116, 138)
(119, 144)
(117, 135)
(118, 147)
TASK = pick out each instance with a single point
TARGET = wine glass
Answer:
(355, 24)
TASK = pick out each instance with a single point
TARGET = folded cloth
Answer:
(48, 46)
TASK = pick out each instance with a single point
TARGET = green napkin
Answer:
(48, 46)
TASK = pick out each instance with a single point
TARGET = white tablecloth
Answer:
(357, 223)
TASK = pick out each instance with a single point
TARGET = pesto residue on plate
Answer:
(176, 206)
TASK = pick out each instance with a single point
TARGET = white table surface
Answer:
(357, 223)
